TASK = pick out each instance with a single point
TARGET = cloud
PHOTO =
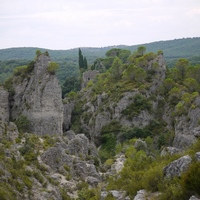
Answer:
(65, 24)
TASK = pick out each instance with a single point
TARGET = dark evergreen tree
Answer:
(85, 64)
(80, 60)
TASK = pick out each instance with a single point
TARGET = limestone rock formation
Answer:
(186, 131)
(67, 115)
(169, 151)
(75, 155)
(8, 131)
(197, 156)
(39, 98)
(118, 195)
(194, 198)
(4, 105)
(99, 110)
(177, 167)
(141, 195)
(87, 76)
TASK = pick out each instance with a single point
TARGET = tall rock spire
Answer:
(39, 98)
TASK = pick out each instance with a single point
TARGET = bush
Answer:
(52, 68)
(22, 123)
(152, 178)
(190, 180)
(139, 103)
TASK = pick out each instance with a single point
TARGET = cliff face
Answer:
(4, 105)
(39, 98)
(102, 109)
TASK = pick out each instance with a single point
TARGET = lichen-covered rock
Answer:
(75, 155)
(141, 195)
(39, 98)
(4, 105)
(67, 115)
(194, 198)
(186, 131)
(118, 164)
(169, 151)
(87, 76)
(197, 156)
(177, 167)
(8, 131)
(118, 195)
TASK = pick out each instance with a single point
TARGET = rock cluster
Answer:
(75, 155)
(177, 167)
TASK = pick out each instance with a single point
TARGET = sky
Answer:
(67, 24)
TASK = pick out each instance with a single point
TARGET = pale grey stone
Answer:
(177, 167)
(4, 105)
(39, 98)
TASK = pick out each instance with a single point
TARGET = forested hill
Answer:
(10, 58)
(173, 49)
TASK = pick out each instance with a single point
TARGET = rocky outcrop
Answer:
(101, 109)
(74, 155)
(118, 195)
(197, 156)
(187, 131)
(67, 115)
(194, 198)
(38, 97)
(141, 195)
(88, 76)
(169, 151)
(159, 70)
(8, 131)
(4, 105)
(177, 167)
(144, 195)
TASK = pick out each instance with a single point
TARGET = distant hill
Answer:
(10, 58)
(178, 48)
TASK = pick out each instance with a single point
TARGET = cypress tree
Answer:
(85, 64)
(80, 60)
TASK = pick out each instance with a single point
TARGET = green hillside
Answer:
(68, 59)
(186, 47)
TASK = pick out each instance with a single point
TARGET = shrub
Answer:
(139, 103)
(22, 123)
(52, 68)
(20, 71)
(152, 178)
(190, 180)
(38, 53)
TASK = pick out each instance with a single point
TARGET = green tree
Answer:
(191, 84)
(113, 52)
(116, 68)
(85, 64)
(141, 62)
(130, 72)
(141, 50)
(38, 53)
(168, 83)
(182, 65)
(80, 59)
(71, 84)
(124, 55)
(140, 75)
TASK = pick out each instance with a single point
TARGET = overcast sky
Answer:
(66, 24)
